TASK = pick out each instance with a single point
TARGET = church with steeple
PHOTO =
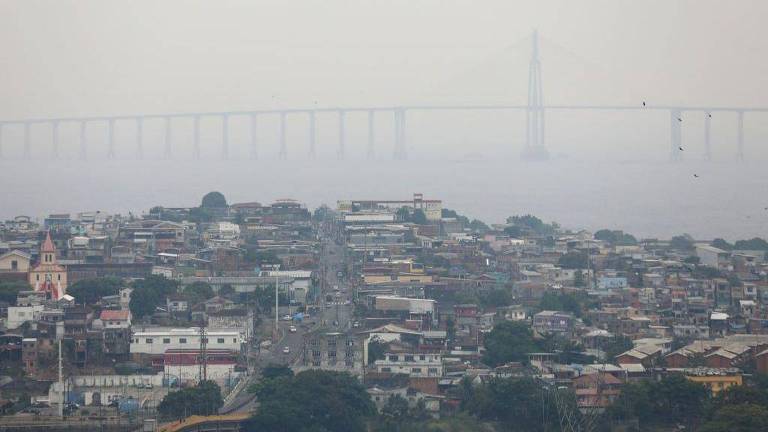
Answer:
(48, 276)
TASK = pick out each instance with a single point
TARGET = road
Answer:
(336, 314)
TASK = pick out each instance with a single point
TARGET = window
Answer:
(432, 371)
(392, 358)
(409, 358)
(182, 340)
(220, 340)
(59, 276)
(166, 340)
(386, 369)
(14, 265)
(416, 370)
(234, 340)
(148, 340)
(315, 353)
(37, 277)
(422, 357)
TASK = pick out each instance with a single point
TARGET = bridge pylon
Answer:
(534, 136)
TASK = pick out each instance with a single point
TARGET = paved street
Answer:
(336, 314)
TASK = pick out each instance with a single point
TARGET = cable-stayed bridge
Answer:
(535, 109)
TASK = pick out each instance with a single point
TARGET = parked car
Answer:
(286, 350)
(286, 317)
(292, 329)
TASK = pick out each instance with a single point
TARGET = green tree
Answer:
(419, 218)
(205, 399)
(10, 290)
(532, 223)
(312, 400)
(746, 417)
(755, 243)
(573, 260)
(90, 291)
(479, 226)
(376, 350)
(150, 292)
(721, 244)
(226, 290)
(508, 341)
(616, 345)
(673, 400)
(559, 301)
(682, 242)
(214, 200)
(514, 403)
(197, 292)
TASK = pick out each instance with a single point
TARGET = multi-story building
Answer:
(553, 322)
(417, 365)
(158, 340)
(332, 351)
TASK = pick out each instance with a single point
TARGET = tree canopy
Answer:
(89, 291)
(573, 260)
(682, 242)
(150, 292)
(214, 200)
(721, 244)
(616, 237)
(205, 399)
(312, 400)
(508, 341)
(533, 224)
(559, 301)
(10, 290)
(752, 244)
(197, 292)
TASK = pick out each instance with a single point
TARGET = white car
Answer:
(286, 317)
(286, 350)
(292, 329)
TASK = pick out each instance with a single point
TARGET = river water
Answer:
(646, 198)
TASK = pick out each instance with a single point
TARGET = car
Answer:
(292, 329)
(286, 350)
(286, 317)
(148, 386)
(356, 324)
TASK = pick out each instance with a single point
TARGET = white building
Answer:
(18, 315)
(157, 340)
(712, 256)
(417, 365)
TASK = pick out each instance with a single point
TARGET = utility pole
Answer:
(277, 332)
(61, 382)
(203, 370)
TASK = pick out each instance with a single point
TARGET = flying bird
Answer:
(710, 116)
(643, 103)
(696, 175)
(681, 149)
(679, 119)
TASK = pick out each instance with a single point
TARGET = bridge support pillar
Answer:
(675, 136)
(111, 139)
(312, 134)
(283, 145)
(139, 138)
(708, 135)
(254, 137)
(740, 137)
(371, 154)
(225, 137)
(27, 144)
(196, 137)
(342, 135)
(400, 152)
(83, 140)
(168, 151)
(55, 139)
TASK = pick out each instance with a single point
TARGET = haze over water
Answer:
(649, 199)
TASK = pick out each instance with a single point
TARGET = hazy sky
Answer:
(90, 57)
(101, 57)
